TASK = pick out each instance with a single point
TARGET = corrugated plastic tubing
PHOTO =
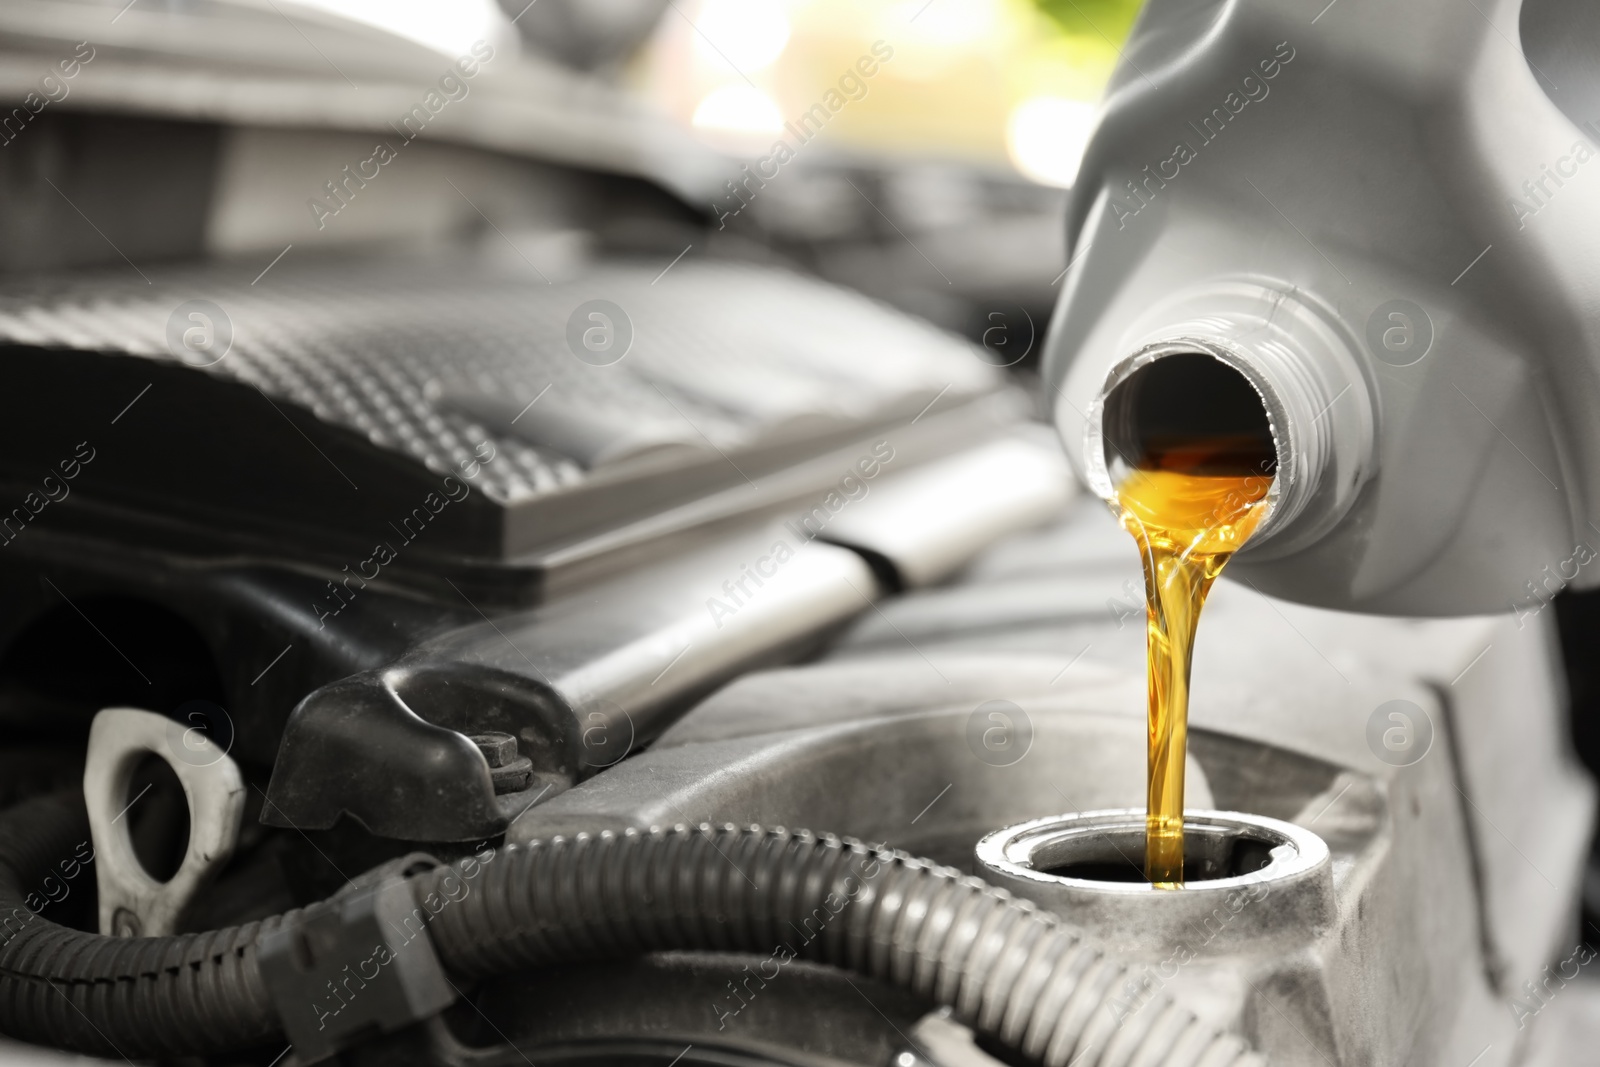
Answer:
(1014, 973)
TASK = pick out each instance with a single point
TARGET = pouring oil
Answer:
(1190, 504)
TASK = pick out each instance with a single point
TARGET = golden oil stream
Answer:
(1189, 508)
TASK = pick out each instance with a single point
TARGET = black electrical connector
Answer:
(355, 966)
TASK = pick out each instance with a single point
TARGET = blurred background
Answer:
(916, 150)
(963, 140)
(1005, 85)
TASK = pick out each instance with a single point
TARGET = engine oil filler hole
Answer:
(1068, 859)
(1206, 857)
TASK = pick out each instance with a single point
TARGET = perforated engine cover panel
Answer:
(387, 377)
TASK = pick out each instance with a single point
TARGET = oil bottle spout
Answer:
(1265, 381)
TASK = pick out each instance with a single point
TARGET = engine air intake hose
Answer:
(1015, 973)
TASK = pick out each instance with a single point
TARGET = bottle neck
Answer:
(1312, 395)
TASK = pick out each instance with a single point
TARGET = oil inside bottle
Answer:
(1190, 497)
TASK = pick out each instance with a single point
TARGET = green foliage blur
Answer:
(1111, 19)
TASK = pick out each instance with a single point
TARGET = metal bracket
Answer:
(133, 904)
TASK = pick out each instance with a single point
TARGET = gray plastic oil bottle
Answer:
(1385, 216)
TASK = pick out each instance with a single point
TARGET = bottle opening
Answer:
(1188, 412)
